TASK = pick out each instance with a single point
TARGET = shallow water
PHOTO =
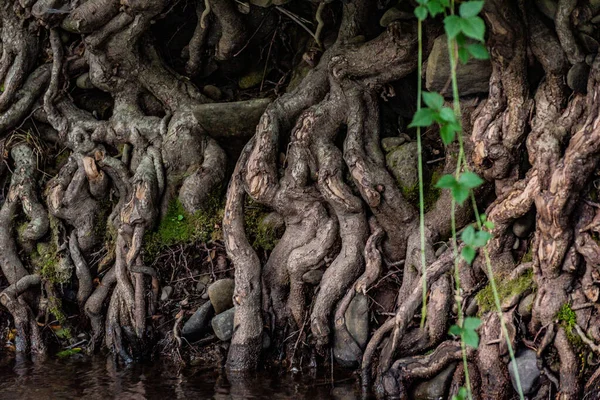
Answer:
(100, 378)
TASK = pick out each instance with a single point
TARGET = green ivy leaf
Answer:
(471, 323)
(422, 2)
(463, 55)
(422, 118)
(473, 27)
(180, 217)
(470, 179)
(421, 13)
(478, 51)
(446, 182)
(470, 8)
(447, 114)
(489, 224)
(481, 238)
(471, 338)
(452, 25)
(455, 330)
(461, 395)
(468, 235)
(433, 100)
(448, 133)
(460, 193)
(445, 3)
(435, 8)
(468, 254)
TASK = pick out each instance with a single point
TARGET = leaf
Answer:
(463, 55)
(447, 133)
(470, 8)
(470, 180)
(180, 217)
(460, 193)
(478, 51)
(455, 330)
(473, 27)
(435, 8)
(447, 114)
(481, 238)
(422, 2)
(489, 224)
(471, 338)
(433, 100)
(471, 323)
(468, 254)
(446, 182)
(421, 13)
(452, 25)
(468, 235)
(422, 118)
(445, 3)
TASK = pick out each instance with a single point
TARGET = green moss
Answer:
(506, 289)
(180, 227)
(568, 319)
(528, 257)
(260, 235)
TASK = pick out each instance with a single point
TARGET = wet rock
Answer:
(213, 92)
(348, 344)
(522, 227)
(357, 319)
(436, 388)
(402, 163)
(577, 77)
(526, 305)
(394, 14)
(313, 277)
(589, 43)
(167, 291)
(204, 296)
(473, 77)
(220, 294)
(84, 82)
(527, 368)
(198, 324)
(390, 143)
(222, 324)
(547, 7)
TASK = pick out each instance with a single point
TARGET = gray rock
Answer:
(222, 324)
(473, 77)
(349, 342)
(394, 14)
(198, 324)
(84, 82)
(527, 368)
(547, 7)
(472, 308)
(357, 319)
(167, 291)
(390, 143)
(313, 277)
(577, 77)
(522, 227)
(402, 163)
(200, 287)
(435, 388)
(220, 294)
(526, 305)
(589, 43)
(213, 92)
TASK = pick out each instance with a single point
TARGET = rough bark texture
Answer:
(104, 132)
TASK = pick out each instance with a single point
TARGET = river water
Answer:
(100, 378)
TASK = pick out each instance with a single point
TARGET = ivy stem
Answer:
(420, 169)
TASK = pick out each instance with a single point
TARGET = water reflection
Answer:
(101, 378)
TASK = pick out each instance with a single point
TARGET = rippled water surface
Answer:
(99, 378)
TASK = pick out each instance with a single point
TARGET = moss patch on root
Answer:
(506, 289)
(181, 227)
